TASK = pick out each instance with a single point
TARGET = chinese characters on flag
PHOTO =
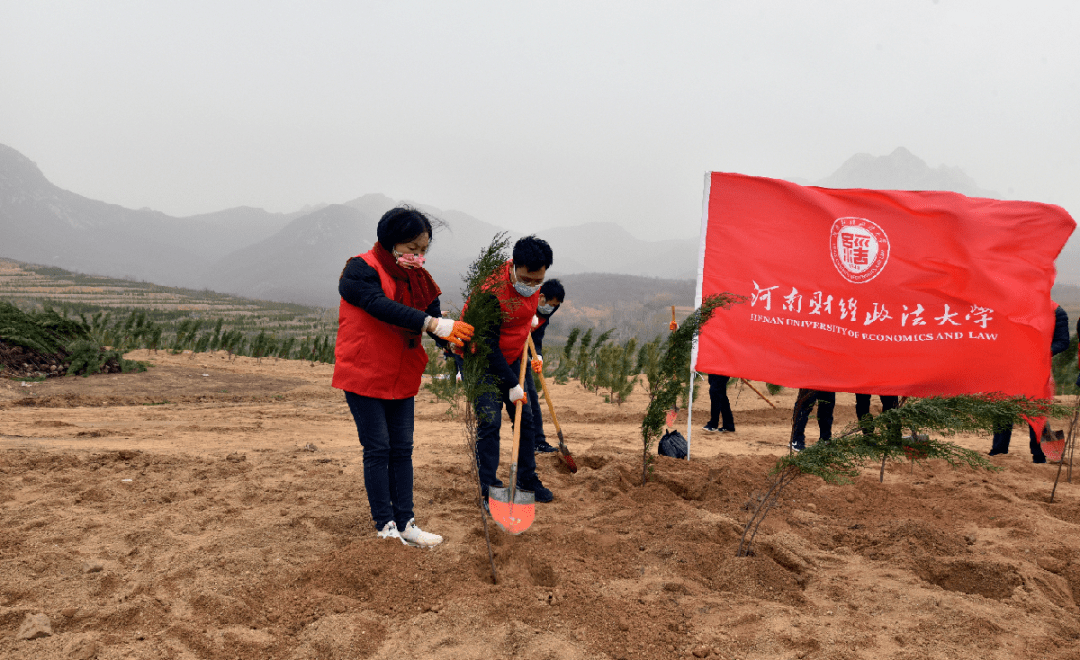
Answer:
(883, 292)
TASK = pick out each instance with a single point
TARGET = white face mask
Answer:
(525, 289)
(545, 309)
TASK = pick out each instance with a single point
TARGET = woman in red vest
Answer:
(387, 300)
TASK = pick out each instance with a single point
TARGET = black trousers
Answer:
(825, 401)
(720, 405)
(862, 405)
(1003, 436)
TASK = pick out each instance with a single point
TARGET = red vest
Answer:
(517, 310)
(372, 358)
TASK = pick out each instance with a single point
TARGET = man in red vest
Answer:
(516, 285)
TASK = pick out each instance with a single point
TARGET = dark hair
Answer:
(533, 253)
(401, 225)
(553, 290)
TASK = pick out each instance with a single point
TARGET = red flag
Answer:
(883, 292)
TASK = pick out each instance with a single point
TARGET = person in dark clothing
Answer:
(516, 287)
(862, 408)
(1002, 436)
(552, 294)
(804, 403)
(387, 300)
(720, 406)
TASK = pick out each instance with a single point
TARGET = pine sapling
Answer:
(485, 315)
(904, 433)
(673, 373)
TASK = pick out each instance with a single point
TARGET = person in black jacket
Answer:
(552, 294)
(387, 300)
(1002, 437)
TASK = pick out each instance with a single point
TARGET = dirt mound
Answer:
(21, 362)
(225, 525)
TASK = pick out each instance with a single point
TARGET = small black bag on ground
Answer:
(673, 444)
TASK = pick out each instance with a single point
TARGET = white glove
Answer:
(443, 327)
(516, 393)
(535, 321)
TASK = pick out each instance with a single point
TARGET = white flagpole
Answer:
(697, 304)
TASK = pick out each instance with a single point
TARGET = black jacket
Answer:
(360, 286)
(538, 334)
(1061, 331)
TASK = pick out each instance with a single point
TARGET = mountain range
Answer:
(290, 257)
(296, 257)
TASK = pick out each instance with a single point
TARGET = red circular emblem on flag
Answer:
(859, 248)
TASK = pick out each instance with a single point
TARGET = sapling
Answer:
(485, 315)
(443, 381)
(581, 362)
(673, 374)
(566, 364)
(1067, 450)
(597, 376)
(840, 459)
(648, 364)
(623, 377)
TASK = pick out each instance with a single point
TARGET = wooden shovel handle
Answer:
(517, 418)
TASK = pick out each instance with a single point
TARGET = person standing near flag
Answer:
(862, 409)
(804, 403)
(387, 300)
(720, 406)
(1060, 342)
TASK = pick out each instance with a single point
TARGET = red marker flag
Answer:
(878, 291)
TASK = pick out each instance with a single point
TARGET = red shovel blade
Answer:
(564, 454)
(513, 517)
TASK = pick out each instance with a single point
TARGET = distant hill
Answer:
(288, 257)
(901, 170)
(44, 224)
(296, 257)
(299, 264)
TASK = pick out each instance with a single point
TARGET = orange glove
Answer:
(673, 326)
(455, 332)
(461, 333)
(538, 364)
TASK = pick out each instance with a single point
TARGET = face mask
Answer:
(410, 260)
(545, 309)
(525, 289)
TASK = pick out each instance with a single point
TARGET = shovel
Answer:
(512, 509)
(564, 453)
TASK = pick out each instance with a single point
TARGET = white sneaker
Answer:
(389, 531)
(418, 538)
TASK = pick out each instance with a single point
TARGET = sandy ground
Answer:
(177, 514)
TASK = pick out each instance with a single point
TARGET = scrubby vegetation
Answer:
(120, 315)
(39, 344)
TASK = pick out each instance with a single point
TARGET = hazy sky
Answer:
(531, 114)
